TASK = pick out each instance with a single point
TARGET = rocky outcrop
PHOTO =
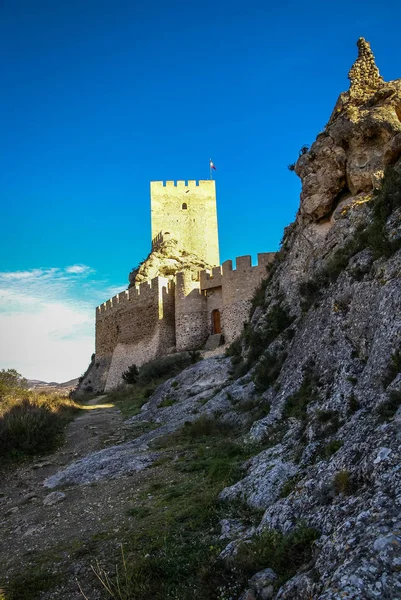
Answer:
(165, 260)
(362, 137)
(335, 404)
(322, 357)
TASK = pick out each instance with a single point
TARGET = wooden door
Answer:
(216, 326)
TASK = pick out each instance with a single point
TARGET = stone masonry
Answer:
(188, 214)
(182, 303)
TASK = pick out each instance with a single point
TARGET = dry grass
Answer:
(32, 422)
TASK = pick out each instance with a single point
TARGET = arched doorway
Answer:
(216, 324)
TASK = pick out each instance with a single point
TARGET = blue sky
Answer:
(100, 97)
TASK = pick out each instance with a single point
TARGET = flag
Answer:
(212, 165)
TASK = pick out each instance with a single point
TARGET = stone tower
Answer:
(188, 214)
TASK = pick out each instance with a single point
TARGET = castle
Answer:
(172, 304)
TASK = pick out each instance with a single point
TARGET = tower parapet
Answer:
(186, 210)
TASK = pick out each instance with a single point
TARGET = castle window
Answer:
(184, 206)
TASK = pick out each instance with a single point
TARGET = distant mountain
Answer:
(52, 385)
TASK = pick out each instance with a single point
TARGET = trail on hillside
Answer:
(41, 536)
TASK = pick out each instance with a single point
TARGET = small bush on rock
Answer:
(387, 409)
(394, 367)
(131, 375)
(296, 404)
(342, 483)
(331, 448)
(267, 370)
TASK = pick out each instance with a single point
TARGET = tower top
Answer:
(364, 75)
(185, 211)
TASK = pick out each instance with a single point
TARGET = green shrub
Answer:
(387, 409)
(131, 375)
(11, 381)
(285, 554)
(289, 486)
(342, 483)
(267, 370)
(331, 448)
(235, 348)
(164, 367)
(27, 428)
(168, 401)
(257, 340)
(296, 405)
(394, 367)
(353, 404)
(259, 295)
(329, 420)
(324, 416)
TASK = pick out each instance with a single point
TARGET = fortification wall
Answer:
(136, 326)
(237, 287)
(186, 211)
(191, 313)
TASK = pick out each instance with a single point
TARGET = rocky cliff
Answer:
(310, 395)
(324, 353)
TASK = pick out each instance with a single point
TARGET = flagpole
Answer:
(210, 167)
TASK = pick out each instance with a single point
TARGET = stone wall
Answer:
(191, 313)
(135, 326)
(188, 213)
(235, 288)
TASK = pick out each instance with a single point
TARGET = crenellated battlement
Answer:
(143, 291)
(243, 266)
(160, 316)
(185, 183)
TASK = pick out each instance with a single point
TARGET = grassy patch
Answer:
(353, 404)
(167, 401)
(290, 485)
(130, 400)
(285, 554)
(296, 405)
(172, 551)
(31, 584)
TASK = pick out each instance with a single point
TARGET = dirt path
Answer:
(39, 541)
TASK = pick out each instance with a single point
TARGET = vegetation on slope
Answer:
(30, 422)
(172, 550)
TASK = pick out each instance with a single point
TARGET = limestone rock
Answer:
(263, 583)
(54, 498)
(360, 140)
(165, 260)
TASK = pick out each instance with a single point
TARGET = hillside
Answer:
(272, 472)
(64, 387)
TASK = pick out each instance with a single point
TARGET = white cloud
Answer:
(78, 269)
(47, 321)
